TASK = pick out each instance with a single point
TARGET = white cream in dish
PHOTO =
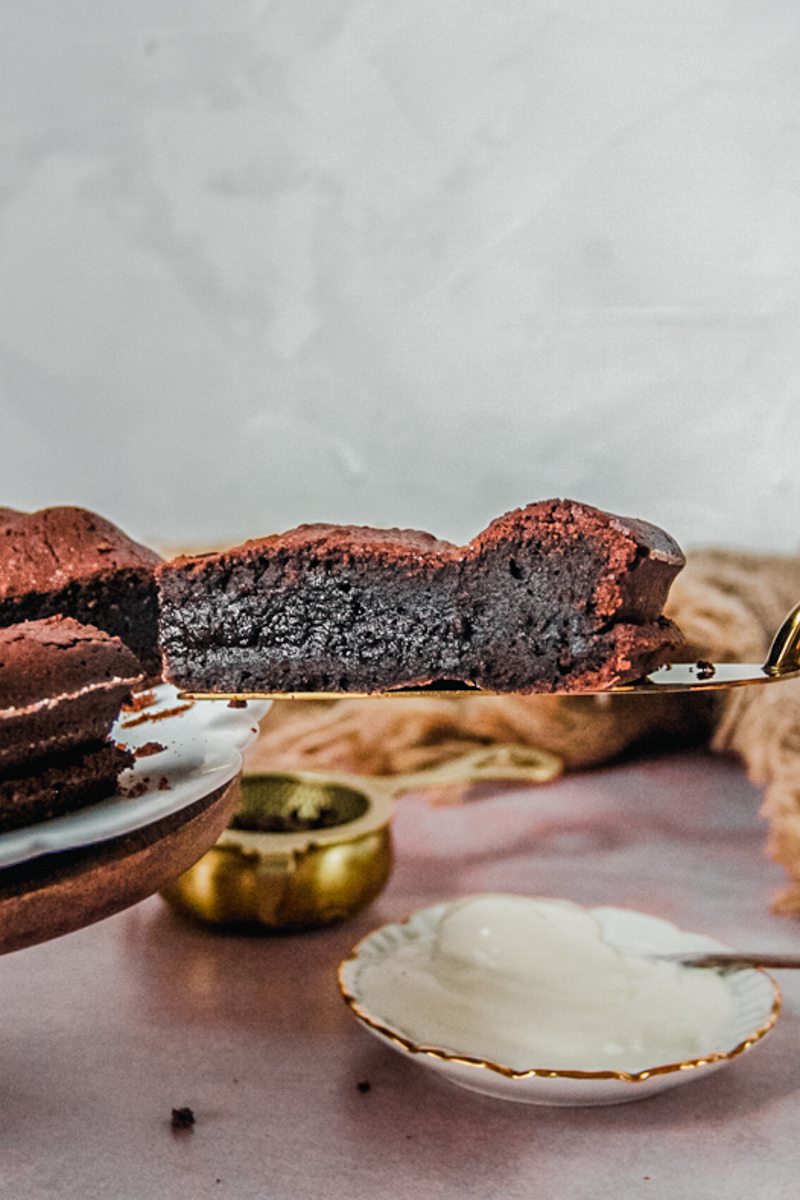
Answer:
(531, 983)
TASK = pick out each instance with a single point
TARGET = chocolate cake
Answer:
(557, 596)
(73, 562)
(51, 787)
(61, 688)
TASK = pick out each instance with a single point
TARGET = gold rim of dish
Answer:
(467, 1060)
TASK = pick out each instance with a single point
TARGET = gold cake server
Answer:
(782, 662)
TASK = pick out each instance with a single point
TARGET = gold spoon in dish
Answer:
(732, 959)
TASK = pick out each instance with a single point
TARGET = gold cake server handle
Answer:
(784, 653)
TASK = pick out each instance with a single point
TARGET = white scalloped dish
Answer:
(372, 977)
(202, 749)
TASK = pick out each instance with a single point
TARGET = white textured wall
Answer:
(401, 261)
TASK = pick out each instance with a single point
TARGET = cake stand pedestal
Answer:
(59, 893)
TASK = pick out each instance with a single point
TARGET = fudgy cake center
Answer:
(511, 589)
(302, 624)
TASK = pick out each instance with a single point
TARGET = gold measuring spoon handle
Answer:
(485, 764)
(522, 764)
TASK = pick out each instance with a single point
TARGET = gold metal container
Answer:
(304, 850)
(268, 871)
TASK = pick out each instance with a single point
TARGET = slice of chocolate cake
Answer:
(51, 787)
(72, 562)
(557, 596)
(61, 687)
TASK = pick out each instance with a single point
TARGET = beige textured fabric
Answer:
(728, 606)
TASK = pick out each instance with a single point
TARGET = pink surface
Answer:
(103, 1032)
